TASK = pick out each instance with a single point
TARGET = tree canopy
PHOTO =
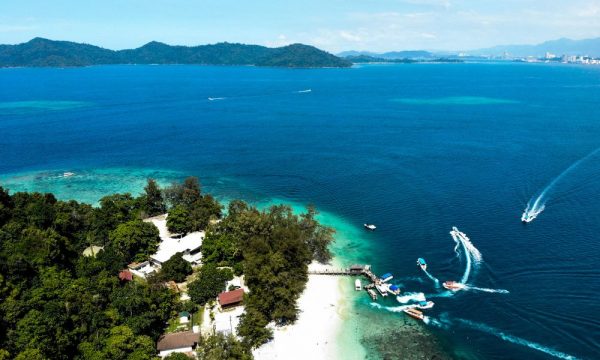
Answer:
(222, 347)
(154, 200)
(176, 268)
(56, 303)
(209, 283)
(190, 209)
(135, 240)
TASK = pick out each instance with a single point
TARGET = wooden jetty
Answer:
(354, 270)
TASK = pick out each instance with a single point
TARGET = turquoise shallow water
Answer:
(87, 185)
(469, 149)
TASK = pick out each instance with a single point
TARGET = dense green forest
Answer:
(48, 53)
(56, 303)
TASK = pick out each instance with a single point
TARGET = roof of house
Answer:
(184, 313)
(170, 246)
(177, 340)
(125, 275)
(231, 297)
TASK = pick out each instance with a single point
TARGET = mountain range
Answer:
(40, 52)
(589, 47)
(390, 55)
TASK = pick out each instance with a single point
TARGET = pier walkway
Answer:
(354, 270)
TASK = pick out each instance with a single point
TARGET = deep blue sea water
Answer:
(415, 149)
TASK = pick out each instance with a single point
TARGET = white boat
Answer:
(530, 215)
(382, 288)
(425, 305)
(357, 285)
(370, 227)
(68, 174)
(394, 290)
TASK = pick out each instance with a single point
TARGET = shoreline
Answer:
(316, 334)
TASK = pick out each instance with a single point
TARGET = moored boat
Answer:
(357, 285)
(421, 262)
(414, 313)
(453, 285)
(382, 288)
(394, 289)
(386, 277)
(370, 227)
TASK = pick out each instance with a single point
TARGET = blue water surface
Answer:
(413, 148)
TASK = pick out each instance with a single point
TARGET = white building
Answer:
(188, 245)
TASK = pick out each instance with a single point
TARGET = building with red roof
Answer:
(231, 298)
(125, 275)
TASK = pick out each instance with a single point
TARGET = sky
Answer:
(332, 25)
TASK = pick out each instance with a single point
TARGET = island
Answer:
(41, 52)
(166, 274)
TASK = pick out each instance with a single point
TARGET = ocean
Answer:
(413, 148)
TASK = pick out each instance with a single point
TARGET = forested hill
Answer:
(49, 53)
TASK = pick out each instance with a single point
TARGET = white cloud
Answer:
(5, 28)
(281, 40)
(347, 35)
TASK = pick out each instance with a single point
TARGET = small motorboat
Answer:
(414, 313)
(425, 305)
(357, 285)
(453, 285)
(421, 262)
(527, 218)
(370, 227)
(394, 289)
(386, 277)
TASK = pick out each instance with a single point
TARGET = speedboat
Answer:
(425, 305)
(370, 227)
(453, 285)
(414, 313)
(421, 262)
(530, 214)
(527, 217)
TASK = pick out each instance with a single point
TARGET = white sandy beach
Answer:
(314, 335)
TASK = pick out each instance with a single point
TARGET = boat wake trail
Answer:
(443, 294)
(495, 291)
(456, 249)
(514, 339)
(216, 98)
(472, 255)
(394, 309)
(442, 323)
(537, 204)
(433, 278)
(408, 297)
(304, 91)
